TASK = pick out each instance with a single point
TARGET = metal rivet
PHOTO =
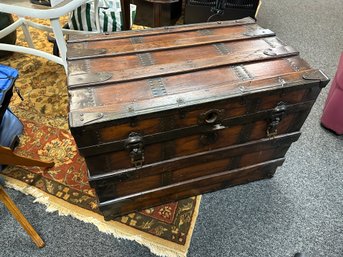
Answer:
(282, 81)
(180, 101)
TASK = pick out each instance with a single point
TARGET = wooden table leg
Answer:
(4, 197)
(125, 7)
(157, 14)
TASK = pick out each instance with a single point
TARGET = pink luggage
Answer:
(332, 117)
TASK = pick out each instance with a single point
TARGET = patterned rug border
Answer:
(156, 245)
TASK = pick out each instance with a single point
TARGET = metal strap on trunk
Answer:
(137, 44)
(160, 30)
(77, 80)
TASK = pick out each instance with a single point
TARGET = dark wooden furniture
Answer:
(202, 10)
(157, 13)
(168, 113)
(125, 7)
(6, 20)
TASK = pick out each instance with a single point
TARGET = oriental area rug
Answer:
(42, 106)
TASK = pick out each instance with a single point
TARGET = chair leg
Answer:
(4, 197)
(62, 46)
(27, 34)
(7, 157)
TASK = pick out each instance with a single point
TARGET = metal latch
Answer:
(134, 144)
(276, 118)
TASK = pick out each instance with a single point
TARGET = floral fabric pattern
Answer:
(44, 113)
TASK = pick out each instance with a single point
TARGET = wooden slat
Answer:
(159, 31)
(124, 49)
(186, 131)
(76, 81)
(172, 55)
(181, 162)
(187, 188)
(193, 170)
(170, 102)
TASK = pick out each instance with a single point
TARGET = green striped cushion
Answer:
(110, 17)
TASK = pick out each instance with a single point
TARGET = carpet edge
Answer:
(157, 246)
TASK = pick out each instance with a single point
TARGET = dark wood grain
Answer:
(124, 182)
(169, 113)
(170, 193)
(158, 31)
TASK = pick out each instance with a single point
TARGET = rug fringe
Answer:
(103, 226)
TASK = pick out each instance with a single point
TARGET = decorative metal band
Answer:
(274, 42)
(146, 59)
(205, 32)
(85, 98)
(90, 97)
(90, 117)
(136, 40)
(221, 48)
(270, 42)
(249, 31)
(157, 87)
(293, 65)
(80, 66)
(79, 80)
(87, 65)
(242, 73)
(83, 50)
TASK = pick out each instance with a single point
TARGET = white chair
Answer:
(23, 8)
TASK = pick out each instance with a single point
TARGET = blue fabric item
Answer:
(10, 128)
(8, 76)
(10, 125)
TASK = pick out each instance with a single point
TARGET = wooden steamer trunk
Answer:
(167, 113)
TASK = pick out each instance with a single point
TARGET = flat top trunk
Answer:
(136, 73)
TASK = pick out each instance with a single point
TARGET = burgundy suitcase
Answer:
(333, 111)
